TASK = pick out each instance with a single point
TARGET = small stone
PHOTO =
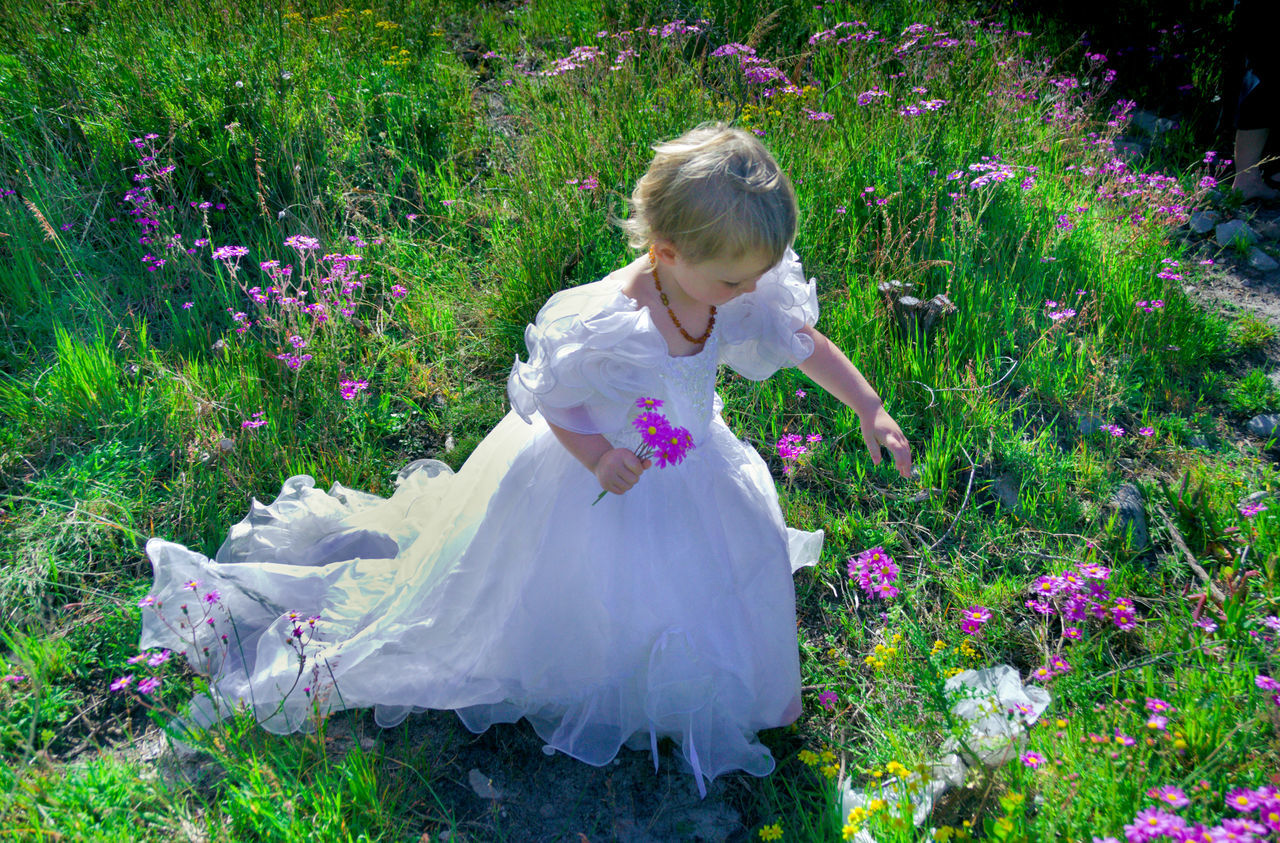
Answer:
(1232, 231)
(1261, 261)
(226, 445)
(1005, 489)
(1145, 121)
(449, 444)
(1202, 222)
(482, 785)
(1195, 440)
(1264, 425)
(1090, 424)
(1130, 516)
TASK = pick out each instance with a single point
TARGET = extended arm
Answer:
(832, 370)
(617, 469)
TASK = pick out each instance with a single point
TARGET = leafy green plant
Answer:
(1254, 393)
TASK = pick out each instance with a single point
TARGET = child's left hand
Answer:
(880, 430)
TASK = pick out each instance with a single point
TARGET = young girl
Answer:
(501, 592)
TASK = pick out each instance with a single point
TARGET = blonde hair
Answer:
(715, 193)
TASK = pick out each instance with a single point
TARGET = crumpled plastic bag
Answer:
(997, 708)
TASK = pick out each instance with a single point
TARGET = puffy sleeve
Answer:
(760, 330)
(589, 360)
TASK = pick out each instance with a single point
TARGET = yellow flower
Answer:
(828, 756)
(808, 757)
(831, 770)
(893, 768)
(771, 832)
(1060, 723)
(876, 805)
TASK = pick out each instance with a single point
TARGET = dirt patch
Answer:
(499, 785)
(1233, 286)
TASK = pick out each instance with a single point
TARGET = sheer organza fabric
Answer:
(501, 592)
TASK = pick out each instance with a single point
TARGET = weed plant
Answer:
(247, 242)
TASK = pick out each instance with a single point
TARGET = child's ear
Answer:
(666, 251)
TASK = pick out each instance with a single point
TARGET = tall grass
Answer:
(439, 143)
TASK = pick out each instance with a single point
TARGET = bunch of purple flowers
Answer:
(875, 572)
(658, 437)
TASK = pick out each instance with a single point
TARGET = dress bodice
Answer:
(593, 351)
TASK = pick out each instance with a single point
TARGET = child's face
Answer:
(718, 280)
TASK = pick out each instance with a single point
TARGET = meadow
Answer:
(241, 242)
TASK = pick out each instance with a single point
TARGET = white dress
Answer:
(501, 592)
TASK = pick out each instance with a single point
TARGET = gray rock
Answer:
(1130, 516)
(1151, 123)
(1202, 222)
(482, 785)
(1234, 230)
(1145, 121)
(1005, 489)
(1264, 425)
(1195, 440)
(1090, 424)
(1269, 229)
(1256, 497)
(1261, 261)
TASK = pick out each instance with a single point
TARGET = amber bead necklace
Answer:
(653, 261)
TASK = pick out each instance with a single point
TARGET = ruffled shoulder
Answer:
(760, 330)
(591, 354)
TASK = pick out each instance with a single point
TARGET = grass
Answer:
(415, 137)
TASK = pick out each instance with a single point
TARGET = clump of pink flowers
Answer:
(875, 572)
(658, 437)
(792, 447)
(975, 617)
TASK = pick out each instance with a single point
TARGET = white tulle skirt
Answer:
(501, 592)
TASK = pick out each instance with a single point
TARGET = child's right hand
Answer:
(619, 469)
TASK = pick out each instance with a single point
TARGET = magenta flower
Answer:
(1153, 823)
(226, 253)
(302, 243)
(648, 403)
(1244, 799)
(827, 699)
(675, 445)
(146, 686)
(122, 683)
(1072, 632)
(1251, 509)
(1146, 431)
(1158, 706)
(875, 572)
(1169, 795)
(974, 618)
(1059, 665)
(1266, 683)
(654, 428)
(1034, 760)
(1157, 722)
